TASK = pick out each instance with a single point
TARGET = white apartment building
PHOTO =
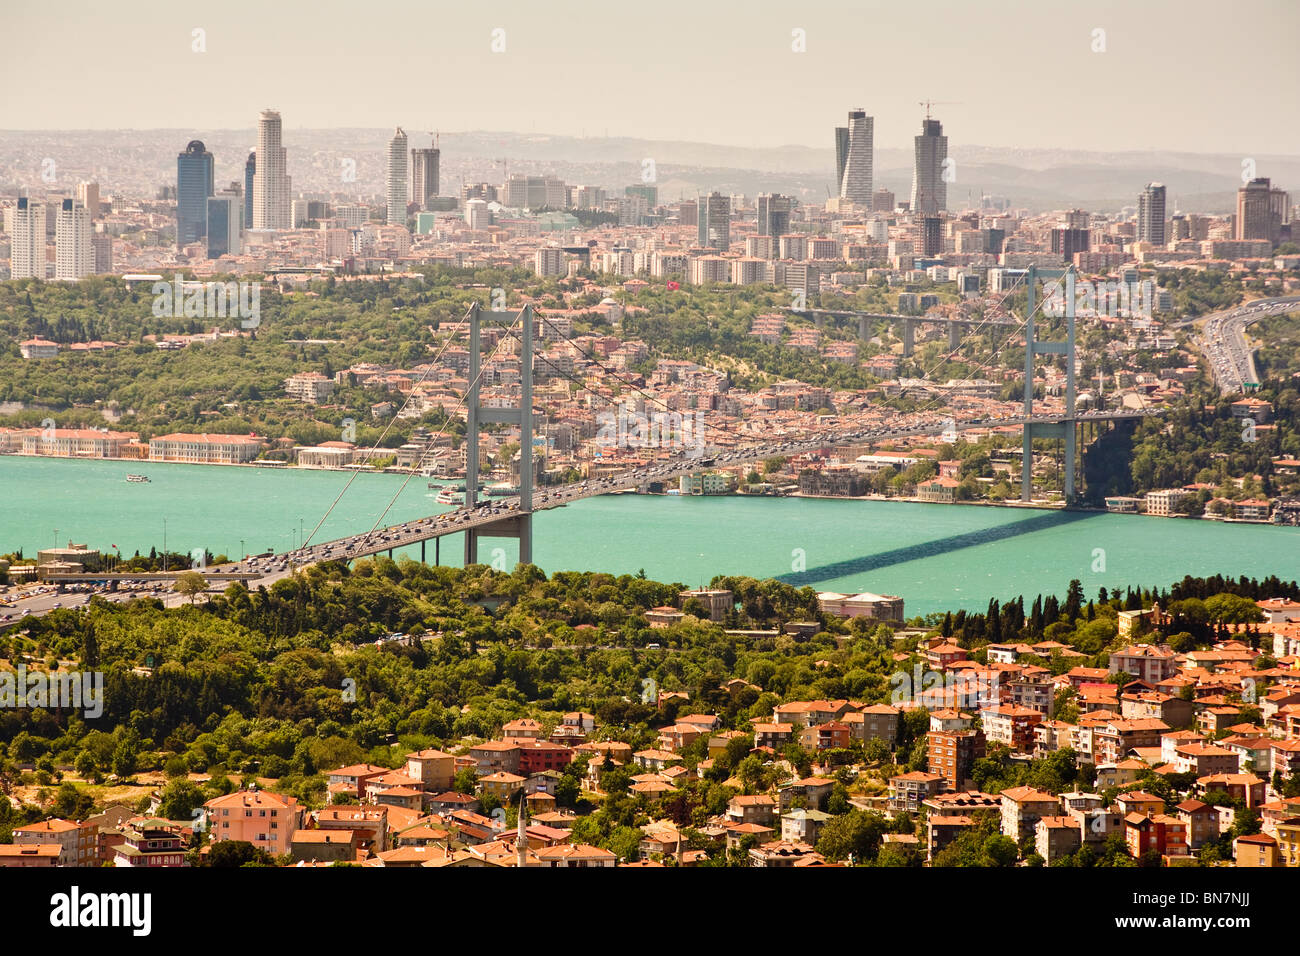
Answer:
(74, 257)
(1163, 502)
(26, 228)
(312, 387)
(710, 269)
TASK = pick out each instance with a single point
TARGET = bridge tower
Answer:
(518, 525)
(1067, 427)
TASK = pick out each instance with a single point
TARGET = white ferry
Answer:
(137, 478)
(450, 497)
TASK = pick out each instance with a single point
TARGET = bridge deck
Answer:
(504, 511)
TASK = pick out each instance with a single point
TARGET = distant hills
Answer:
(141, 160)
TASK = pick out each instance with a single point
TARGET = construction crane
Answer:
(928, 103)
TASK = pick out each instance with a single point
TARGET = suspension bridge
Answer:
(511, 517)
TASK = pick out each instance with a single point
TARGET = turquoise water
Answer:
(935, 556)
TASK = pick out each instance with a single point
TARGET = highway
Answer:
(1223, 339)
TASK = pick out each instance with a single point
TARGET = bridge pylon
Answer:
(519, 525)
(1067, 427)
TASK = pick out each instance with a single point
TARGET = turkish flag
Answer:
(673, 286)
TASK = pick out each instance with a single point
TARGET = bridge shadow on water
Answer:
(930, 549)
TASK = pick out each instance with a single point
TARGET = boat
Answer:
(450, 497)
(137, 478)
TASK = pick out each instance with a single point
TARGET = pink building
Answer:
(266, 820)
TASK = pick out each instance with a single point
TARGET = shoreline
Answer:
(1013, 504)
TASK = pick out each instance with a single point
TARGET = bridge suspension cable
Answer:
(428, 370)
(447, 418)
(650, 398)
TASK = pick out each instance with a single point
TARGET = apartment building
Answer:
(77, 844)
(952, 753)
(150, 844)
(1146, 662)
(1023, 807)
(266, 820)
(1011, 725)
(909, 790)
(310, 387)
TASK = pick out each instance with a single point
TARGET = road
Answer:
(1223, 339)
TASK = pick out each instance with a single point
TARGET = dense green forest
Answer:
(1279, 346)
(1199, 441)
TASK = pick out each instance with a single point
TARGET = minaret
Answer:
(521, 836)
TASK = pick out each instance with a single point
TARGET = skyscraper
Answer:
(534, 192)
(714, 223)
(841, 155)
(1256, 218)
(931, 236)
(272, 208)
(424, 175)
(1067, 240)
(397, 178)
(249, 168)
(88, 196)
(1151, 215)
(774, 214)
(647, 192)
(27, 239)
(193, 187)
(225, 222)
(101, 245)
(929, 190)
(477, 214)
(74, 258)
(855, 181)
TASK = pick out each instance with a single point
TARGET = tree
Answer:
(695, 606)
(85, 765)
(857, 833)
(228, 854)
(71, 804)
(179, 800)
(190, 584)
(124, 759)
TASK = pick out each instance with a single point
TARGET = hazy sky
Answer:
(1192, 75)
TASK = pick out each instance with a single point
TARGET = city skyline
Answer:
(1010, 105)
